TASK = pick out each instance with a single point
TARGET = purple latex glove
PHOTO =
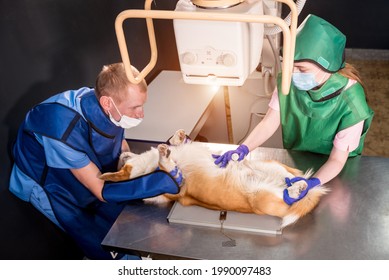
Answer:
(311, 182)
(176, 175)
(236, 155)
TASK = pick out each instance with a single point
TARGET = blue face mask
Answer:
(304, 81)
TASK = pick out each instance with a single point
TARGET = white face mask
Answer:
(125, 121)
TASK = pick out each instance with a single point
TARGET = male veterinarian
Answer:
(67, 141)
(326, 110)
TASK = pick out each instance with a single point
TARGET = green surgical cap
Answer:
(320, 42)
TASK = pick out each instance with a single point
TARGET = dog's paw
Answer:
(160, 199)
(164, 151)
(295, 190)
(178, 138)
(165, 162)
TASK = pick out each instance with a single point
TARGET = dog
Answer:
(247, 186)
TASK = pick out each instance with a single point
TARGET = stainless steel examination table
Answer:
(350, 222)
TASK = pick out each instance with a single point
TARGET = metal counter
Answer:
(351, 222)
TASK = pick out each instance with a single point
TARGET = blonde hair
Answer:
(349, 71)
(112, 81)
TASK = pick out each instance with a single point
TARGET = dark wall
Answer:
(365, 23)
(48, 46)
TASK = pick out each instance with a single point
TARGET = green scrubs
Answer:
(311, 119)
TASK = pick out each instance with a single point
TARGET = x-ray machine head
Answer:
(219, 42)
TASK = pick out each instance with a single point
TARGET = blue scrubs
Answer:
(68, 131)
(57, 155)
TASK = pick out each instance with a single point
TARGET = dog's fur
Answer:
(249, 186)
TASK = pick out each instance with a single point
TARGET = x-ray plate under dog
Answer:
(199, 216)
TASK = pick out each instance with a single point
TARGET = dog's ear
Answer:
(122, 175)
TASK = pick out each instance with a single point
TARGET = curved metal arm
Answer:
(289, 36)
(293, 30)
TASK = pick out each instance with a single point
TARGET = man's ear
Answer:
(105, 103)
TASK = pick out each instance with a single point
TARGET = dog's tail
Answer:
(305, 205)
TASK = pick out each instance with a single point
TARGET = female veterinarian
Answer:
(64, 144)
(326, 110)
